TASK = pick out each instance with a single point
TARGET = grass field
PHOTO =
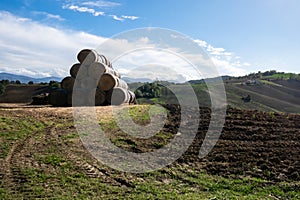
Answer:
(42, 156)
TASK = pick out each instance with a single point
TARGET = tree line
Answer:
(5, 82)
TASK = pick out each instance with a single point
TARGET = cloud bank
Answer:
(84, 10)
(31, 48)
(91, 6)
(38, 50)
(101, 4)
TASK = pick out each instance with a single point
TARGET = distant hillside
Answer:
(272, 95)
(268, 91)
(271, 91)
(210, 80)
(26, 79)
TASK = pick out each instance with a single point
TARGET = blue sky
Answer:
(42, 37)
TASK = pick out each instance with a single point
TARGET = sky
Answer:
(41, 38)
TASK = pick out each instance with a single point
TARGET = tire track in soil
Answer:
(268, 142)
(91, 169)
(20, 157)
(12, 174)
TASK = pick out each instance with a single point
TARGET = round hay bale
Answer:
(82, 72)
(121, 83)
(68, 83)
(74, 69)
(81, 97)
(108, 96)
(119, 96)
(58, 97)
(109, 81)
(132, 99)
(117, 74)
(69, 98)
(97, 69)
(88, 83)
(99, 97)
(83, 54)
(79, 71)
(88, 56)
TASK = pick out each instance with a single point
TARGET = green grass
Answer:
(53, 160)
(269, 83)
(283, 76)
(172, 183)
(13, 129)
(56, 175)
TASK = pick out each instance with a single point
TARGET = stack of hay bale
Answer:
(92, 81)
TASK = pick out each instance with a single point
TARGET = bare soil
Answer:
(252, 144)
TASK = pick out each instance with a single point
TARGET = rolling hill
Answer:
(277, 92)
(273, 95)
(26, 79)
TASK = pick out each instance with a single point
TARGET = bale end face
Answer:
(119, 96)
(68, 83)
(87, 56)
(74, 69)
(107, 82)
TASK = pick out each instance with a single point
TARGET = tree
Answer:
(4, 82)
(149, 90)
(18, 82)
(138, 93)
(54, 84)
(43, 83)
(1, 88)
(30, 83)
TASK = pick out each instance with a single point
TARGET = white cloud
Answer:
(123, 17)
(25, 72)
(35, 49)
(225, 61)
(39, 48)
(229, 68)
(215, 51)
(156, 64)
(246, 64)
(84, 9)
(201, 43)
(89, 7)
(157, 72)
(115, 17)
(96, 14)
(101, 4)
(130, 17)
(123, 71)
(49, 15)
(81, 9)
